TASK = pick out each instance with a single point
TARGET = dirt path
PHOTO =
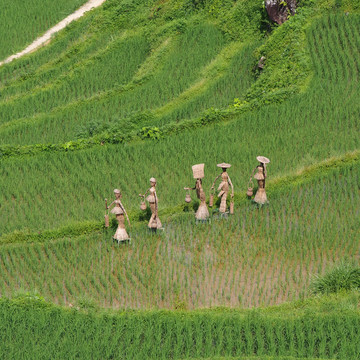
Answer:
(47, 36)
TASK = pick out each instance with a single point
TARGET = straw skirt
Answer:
(154, 222)
(224, 187)
(260, 196)
(202, 212)
(121, 234)
(222, 207)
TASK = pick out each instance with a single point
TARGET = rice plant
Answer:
(258, 257)
(24, 22)
(212, 334)
(343, 277)
(92, 174)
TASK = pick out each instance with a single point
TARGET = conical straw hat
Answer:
(198, 171)
(224, 165)
(263, 159)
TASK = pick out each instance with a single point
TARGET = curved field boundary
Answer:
(208, 117)
(254, 100)
(42, 40)
(147, 69)
(275, 186)
(210, 74)
(81, 64)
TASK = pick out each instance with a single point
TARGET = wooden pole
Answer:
(107, 221)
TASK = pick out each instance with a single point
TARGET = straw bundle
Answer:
(198, 171)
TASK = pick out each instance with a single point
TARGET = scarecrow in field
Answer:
(202, 212)
(224, 188)
(119, 211)
(152, 198)
(260, 176)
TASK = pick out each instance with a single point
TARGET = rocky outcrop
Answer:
(279, 11)
(261, 63)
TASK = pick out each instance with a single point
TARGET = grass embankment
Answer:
(320, 328)
(56, 100)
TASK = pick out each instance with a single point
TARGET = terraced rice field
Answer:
(138, 89)
(258, 257)
(22, 22)
(88, 176)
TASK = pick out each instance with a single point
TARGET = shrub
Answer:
(90, 129)
(343, 277)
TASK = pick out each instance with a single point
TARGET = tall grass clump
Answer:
(343, 277)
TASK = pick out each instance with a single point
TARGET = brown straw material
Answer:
(224, 166)
(198, 171)
(263, 159)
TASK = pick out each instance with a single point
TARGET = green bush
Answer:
(90, 129)
(245, 19)
(344, 276)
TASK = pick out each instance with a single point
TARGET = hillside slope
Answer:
(318, 122)
(138, 89)
(22, 22)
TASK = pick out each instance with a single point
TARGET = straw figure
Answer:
(224, 188)
(119, 211)
(152, 198)
(260, 176)
(202, 212)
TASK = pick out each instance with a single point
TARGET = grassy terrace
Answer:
(286, 132)
(22, 22)
(322, 328)
(127, 78)
(137, 89)
(191, 265)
